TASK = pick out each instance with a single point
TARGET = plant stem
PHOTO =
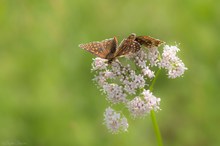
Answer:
(156, 128)
(153, 117)
(154, 80)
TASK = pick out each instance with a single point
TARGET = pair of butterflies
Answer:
(110, 50)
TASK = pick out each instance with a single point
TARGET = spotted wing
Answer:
(148, 41)
(102, 49)
(128, 46)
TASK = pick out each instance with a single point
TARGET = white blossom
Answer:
(139, 81)
(129, 87)
(148, 72)
(171, 62)
(141, 106)
(152, 102)
(141, 59)
(138, 107)
(177, 70)
(109, 74)
(153, 55)
(116, 68)
(100, 79)
(142, 54)
(99, 64)
(114, 93)
(114, 121)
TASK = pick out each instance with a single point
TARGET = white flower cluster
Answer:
(125, 84)
(141, 105)
(141, 59)
(114, 121)
(171, 62)
(117, 81)
(153, 56)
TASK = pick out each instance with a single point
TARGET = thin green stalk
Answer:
(156, 128)
(153, 117)
(154, 80)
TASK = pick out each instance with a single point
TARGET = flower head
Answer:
(114, 93)
(114, 121)
(138, 107)
(171, 62)
(147, 72)
(99, 63)
(153, 56)
(127, 84)
(141, 106)
(152, 102)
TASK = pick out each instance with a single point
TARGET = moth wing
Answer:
(148, 41)
(127, 47)
(101, 49)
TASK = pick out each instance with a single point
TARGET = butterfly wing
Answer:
(128, 46)
(148, 41)
(101, 49)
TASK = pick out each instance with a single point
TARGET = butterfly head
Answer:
(132, 36)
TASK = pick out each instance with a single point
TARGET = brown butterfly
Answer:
(109, 49)
(148, 41)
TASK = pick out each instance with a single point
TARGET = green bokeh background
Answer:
(47, 97)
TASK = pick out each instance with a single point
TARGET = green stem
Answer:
(153, 117)
(156, 128)
(154, 80)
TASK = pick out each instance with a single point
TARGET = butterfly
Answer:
(109, 48)
(148, 41)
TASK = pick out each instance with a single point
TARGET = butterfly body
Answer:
(109, 49)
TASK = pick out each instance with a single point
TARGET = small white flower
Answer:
(109, 74)
(99, 64)
(116, 68)
(152, 102)
(114, 93)
(114, 121)
(142, 55)
(100, 80)
(141, 64)
(132, 74)
(139, 81)
(129, 87)
(177, 70)
(141, 59)
(148, 72)
(138, 107)
(153, 55)
(171, 62)
(124, 124)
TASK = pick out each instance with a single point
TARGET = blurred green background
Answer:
(47, 97)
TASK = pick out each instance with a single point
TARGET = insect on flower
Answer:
(109, 49)
(128, 83)
(148, 41)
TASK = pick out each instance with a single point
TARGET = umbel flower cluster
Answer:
(126, 83)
